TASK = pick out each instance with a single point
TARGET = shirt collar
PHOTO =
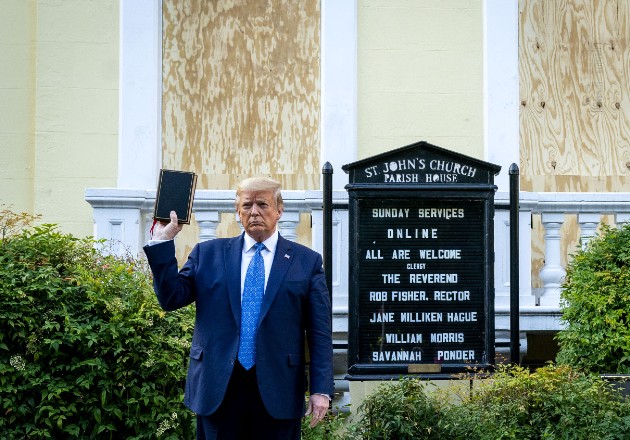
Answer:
(271, 243)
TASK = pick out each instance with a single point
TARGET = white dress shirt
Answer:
(248, 253)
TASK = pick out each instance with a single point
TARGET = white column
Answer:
(588, 221)
(502, 258)
(341, 246)
(501, 86)
(120, 229)
(288, 223)
(502, 253)
(526, 297)
(119, 218)
(552, 274)
(338, 86)
(139, 147)
(208, 222)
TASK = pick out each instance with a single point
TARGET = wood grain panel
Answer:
(240, 97)
(574, 65)
(241, 90)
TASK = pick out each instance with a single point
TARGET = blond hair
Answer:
(260, 184)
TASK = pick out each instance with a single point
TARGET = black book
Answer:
(175, 192)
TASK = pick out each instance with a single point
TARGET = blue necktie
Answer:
(253, 291)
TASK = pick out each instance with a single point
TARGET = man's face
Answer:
(259, 213)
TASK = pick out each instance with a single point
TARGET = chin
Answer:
(257, 232)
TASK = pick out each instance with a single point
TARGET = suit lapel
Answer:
(233, 255)
(281, 262)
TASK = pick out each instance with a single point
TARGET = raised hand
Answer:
(167, 231)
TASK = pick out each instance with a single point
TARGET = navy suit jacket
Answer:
(296, 307)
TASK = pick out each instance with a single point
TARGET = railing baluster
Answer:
(552, 273)
(288, 224)
(588, 221)
(208, 221)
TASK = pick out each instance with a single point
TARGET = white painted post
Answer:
(120, 228)
(208, 222)
(338, 130)
(501, 85)
(288, 224)
(588, 221)
(552, 274)
(140, 147)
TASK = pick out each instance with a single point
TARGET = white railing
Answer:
(123, 217)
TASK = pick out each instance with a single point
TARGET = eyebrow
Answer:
(246, 201)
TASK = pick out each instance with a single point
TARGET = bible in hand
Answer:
(176, 190)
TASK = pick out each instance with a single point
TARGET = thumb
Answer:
(174, 218)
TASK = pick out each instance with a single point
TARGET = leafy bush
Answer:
(554, 402)
(85, 350)
(596, 305)
(399, 410)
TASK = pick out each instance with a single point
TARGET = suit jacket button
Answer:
(232, 361)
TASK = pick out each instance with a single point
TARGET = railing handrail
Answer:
(567, 202)
(570, 202)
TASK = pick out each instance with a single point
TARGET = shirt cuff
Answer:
(152, 242)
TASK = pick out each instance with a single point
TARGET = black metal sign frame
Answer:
(421, 265)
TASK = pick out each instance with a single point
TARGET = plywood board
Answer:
(241, 90)
(241, 94)
(574, 67)
(574, 62)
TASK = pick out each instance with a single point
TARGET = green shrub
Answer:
(399, 410)
(85, 350)
(596, 305)
(554, 402)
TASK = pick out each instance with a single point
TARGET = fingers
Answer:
(316, 418)
(168, 231)
(317, 408)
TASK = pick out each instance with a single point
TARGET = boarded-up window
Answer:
(241, 89)
(575, 95)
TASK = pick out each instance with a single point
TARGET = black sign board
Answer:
(421, 271)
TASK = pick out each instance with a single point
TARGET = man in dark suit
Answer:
(246, 377)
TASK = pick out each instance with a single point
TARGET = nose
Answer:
(254, 210)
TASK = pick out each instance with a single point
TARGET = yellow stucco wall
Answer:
(420, 75)
(59, 128)
(17, 98)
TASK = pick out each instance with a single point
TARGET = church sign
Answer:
(421, 271)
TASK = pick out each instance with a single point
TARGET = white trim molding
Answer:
(140, 94)
(501, 86)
